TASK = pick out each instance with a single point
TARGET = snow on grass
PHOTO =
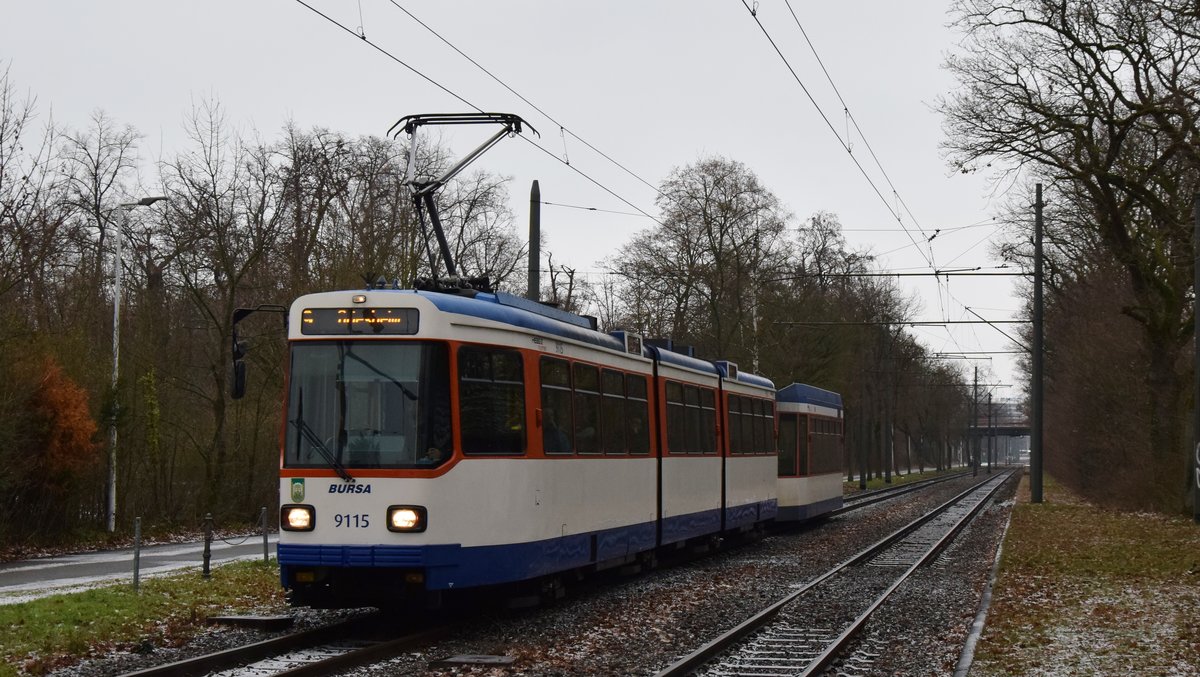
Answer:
(1087, 591)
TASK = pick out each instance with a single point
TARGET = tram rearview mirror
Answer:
(237, 384)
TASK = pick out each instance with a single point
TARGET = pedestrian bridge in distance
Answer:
(1000, 431)
(1000, 418)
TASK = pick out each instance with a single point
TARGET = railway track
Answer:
(809, 630)
(376, 637)
(321, 651)
(865, 498)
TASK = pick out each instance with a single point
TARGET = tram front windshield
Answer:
(368, 404)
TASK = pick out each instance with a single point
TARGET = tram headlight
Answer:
(297, 518)
(407, 518)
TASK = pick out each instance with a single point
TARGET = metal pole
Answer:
(534, 279)
(208, 536)
(991, 433)
(443, 245)
(111, 508)
(1035, 414)
(974, 425)
(889, 442)
(262, 518)
(851, 435)
(864, 436)
(1196, 364)
(137, 552)
(111, 512)
(966, 440)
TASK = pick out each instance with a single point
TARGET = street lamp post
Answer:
(111, 513)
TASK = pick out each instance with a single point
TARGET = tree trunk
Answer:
(1168, 423)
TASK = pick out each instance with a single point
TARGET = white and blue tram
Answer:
(437, 441)
(456, 438)
(811, 445)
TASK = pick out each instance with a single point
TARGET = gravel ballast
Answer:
(638, 625)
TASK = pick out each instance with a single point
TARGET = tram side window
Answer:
(491, 391)
(676, 419)
(827, 447)
(802, 448)
(787, 445)
(691, 419)
(750, 411)
(691, 400)
(768, 424)
(734, 424)
(751, 431)
(820, 445)
(751, 425)
(701, 420)
(745, 434)
(637, 415)
(587, 409)
(557, 414)
(708, 422)
(612, 414)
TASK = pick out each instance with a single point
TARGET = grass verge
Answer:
(52, 632)
(1082, 590)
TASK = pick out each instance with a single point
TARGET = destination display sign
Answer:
(343, 321)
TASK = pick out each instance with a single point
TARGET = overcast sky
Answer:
(654, 85)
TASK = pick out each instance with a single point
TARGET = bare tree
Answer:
(379, 234)
(98, 162)
(314, 177)
(1099, 98)
(224, 220)
(32, 215)
(701, 275)
(480, 226)
(565, 289)
(823, 253)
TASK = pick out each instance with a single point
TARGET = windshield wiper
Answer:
(316, 442)
(307, 432)
(407, 393)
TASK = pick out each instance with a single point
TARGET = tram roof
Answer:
(527, 314)
(805, 394)
(524, 313)
(507, 308)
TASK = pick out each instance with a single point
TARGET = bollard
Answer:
(137, 552)
(208, 529)
(262, 518)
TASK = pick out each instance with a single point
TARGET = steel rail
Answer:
(705, 653)
(241, 655)
(843, 640)
(864, 499)
(366, 655)
(245, 656)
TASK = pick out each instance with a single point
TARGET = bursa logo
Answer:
(349, 488)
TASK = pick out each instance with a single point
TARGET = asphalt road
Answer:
(24, 580)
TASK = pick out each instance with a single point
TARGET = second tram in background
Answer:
(811, 442)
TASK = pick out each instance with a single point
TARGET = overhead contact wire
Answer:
(445, 89)
(389, 55)
(517, 94)
(854, 121)
(850, 116)
(832, 128)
